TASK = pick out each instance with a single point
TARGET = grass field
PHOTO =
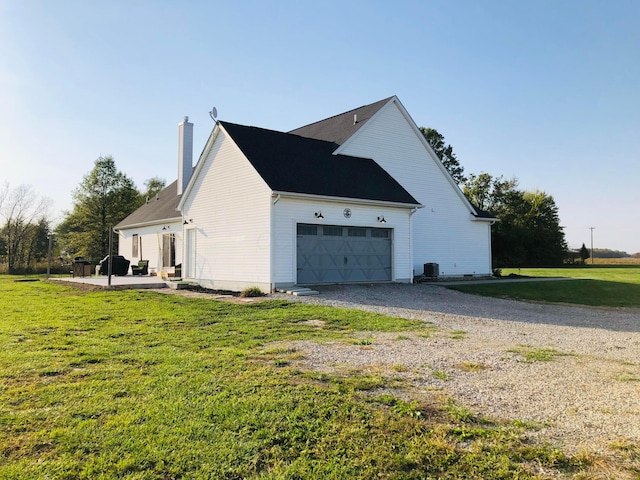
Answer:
(629, 274)
(598, 285)
(141, 385)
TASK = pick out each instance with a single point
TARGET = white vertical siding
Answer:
(443, 231)
(151, 243)
(288, 212)
(229, 204)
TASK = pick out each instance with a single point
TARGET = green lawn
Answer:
(615, 286)
(141, 385)
(615, 273)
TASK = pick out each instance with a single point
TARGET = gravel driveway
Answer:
(585, 398)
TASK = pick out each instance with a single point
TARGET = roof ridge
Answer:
(279, 132)
(339, 128)
(384, 100)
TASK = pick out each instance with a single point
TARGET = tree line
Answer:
(104, 197)
(608, 253)
(528, 231)
(25, 227)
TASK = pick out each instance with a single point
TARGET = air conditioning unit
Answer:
(431, 270)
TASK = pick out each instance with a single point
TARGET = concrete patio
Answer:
(117, 282)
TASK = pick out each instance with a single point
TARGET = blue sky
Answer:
(546, 91)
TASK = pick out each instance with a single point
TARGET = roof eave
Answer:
(491, 220)
(328, 198)
(177, 219)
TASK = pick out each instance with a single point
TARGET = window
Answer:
(332, 231)
(134, 245)
(307, 229)
(357, 232)
(169, 250)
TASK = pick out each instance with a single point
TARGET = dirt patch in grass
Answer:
(219, 295)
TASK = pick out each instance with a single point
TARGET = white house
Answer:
(358, 197)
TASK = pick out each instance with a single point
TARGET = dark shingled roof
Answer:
(162, 207)
(339, 128)
(295, 164)
(481, 213)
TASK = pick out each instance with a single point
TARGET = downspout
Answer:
(413, 210)
(272, 243)
(183, 221)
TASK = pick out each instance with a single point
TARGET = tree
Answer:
(3, 240)
(153, 186)
(584, 253)
(528, 231)
(24, 214)
(38, 242)
(547, 243)
(104, 197)
(4, 191)
(489, 193)
(444, 153)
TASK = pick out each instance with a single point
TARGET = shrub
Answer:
(251, 292)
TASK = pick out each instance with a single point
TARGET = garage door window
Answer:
(332, 231)
(307, 229)
(357, 232)
(379, 233)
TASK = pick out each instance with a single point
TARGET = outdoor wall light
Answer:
(319, 215)
(187, 222)
(382, 220)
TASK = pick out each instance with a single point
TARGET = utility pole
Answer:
(592, 229)
(110, 258)
(49, 255)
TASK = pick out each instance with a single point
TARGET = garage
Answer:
(339, 254)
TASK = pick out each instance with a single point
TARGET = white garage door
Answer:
(334, 254)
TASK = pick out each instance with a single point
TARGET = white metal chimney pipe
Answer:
(185, 153)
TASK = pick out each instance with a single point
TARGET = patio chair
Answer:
(141, 269)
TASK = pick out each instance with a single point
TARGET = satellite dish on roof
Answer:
(214, 114)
